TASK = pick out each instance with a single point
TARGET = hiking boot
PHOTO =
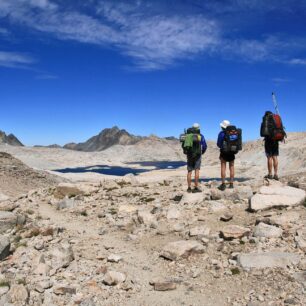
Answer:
(196, 189)
(189, 190)
(269, 176)
(276, 177)
(231, 186)
(222, 187)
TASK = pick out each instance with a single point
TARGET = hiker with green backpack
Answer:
(194, 146)
(229, 143)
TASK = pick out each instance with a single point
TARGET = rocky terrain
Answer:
(143, 240)
(17, 178)
(9, 139)
(128, 242)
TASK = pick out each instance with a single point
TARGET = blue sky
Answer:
(68, 68)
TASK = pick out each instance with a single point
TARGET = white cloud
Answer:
(153, 40)
(297, 61)
(14, 60)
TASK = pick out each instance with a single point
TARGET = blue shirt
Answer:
(220, 140)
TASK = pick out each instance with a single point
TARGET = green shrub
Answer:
(235, 271)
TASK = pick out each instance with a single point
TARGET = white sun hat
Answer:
(196, 126)
(224, 124)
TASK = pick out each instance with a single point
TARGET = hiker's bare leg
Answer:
(196, 177)
(275, 165)
(189, 174)
(223, 170)
(270, 164)
(232, 171)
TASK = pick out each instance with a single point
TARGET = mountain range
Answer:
(10, 139)
(108, 138)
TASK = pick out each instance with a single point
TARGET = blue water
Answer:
(121, 171)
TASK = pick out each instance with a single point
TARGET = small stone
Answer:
(268, 231)
(66, 203)
(182, 248)
(8, 220)
(164, 286)
(4, 247)
(113, 278)
(63, 290)
(173, 213)
(114, 258)
(226, 217)
(199, 231)
(234, 232)
(102, 231)
(18, 295)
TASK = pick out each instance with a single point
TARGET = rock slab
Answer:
(268, 260)
(181, 249)
(267, 231)
(277, 196)
(8, 221)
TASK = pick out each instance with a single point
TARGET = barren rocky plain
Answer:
(84, 238)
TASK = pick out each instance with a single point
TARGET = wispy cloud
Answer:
(46, 77)
(152, 39)
(154, 42)
(4, 31)
(15, 60)
(297, 61)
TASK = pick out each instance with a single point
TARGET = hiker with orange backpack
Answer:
(273, 131)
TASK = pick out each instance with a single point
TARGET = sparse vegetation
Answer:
(21, 281)
(5, 283)
(84, 213)
(235, 271)
(147, 200)
(30, 211)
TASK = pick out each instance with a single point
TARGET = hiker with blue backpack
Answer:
(194, 146)
(230, 143)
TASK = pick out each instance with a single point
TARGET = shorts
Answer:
(271, 148)
(228, 157)
(194, 163)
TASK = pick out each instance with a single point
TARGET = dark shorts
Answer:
(194, 163)
(271, 148)
(228, 157)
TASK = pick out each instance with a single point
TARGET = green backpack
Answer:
(191, 143)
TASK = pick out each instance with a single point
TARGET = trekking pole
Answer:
(275, 103)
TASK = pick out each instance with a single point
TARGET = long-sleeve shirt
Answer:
(220, 140)
(203, 144)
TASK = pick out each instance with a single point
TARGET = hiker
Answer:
(194, 146)
(273, 132)
(229, 143)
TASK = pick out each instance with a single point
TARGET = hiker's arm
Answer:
(220, 140)
(203, 144)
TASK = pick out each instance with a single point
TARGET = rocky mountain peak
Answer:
(105, 139)
(10, 139)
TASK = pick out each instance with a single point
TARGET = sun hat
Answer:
(224, 124)
(196, 126)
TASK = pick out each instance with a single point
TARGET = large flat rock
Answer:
(237, 194)
(277, 196)
(181, 249)
(268, 260)
(8, 220)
